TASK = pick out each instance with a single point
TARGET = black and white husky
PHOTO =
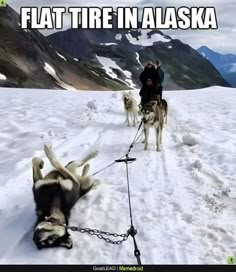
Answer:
(55, 195)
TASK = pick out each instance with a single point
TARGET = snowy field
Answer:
(183, 198)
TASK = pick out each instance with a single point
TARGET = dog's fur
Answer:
(55, 195)
(153, 116)
(164, 107)
(131, 108)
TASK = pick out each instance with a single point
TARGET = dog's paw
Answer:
(68, 243)
(50, 155)
(158, 149)
(38, 161)
(47, 150)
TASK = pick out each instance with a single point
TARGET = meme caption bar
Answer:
(125, 17)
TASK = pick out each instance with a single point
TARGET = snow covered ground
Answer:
(183, 197)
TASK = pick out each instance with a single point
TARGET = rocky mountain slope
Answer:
(29, 60)
(225, 64)
(128, 50)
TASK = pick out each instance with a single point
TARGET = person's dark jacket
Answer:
(149, 73)
(160, 76)
(147, 92)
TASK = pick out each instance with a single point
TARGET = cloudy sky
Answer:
(222, 40)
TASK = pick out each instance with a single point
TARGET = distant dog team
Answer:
(154, 114)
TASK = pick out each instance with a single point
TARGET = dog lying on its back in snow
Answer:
(55, 195)
(130, 107)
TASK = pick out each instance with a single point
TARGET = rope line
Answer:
(130, 208)
(132, 231)
(131, 146)
(107, 166)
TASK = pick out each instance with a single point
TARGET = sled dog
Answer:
(164, 106)
(55, 194)
(131, 108)
(153, 116)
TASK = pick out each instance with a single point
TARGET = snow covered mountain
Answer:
(95, 59)
(225, 64)
(129, 49)
(183, 198)
(28, 60)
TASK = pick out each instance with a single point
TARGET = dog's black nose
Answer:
(39, 246)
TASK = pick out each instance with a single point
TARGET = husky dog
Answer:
(55, 195)
(164, 109)
(131, 108)
(152, 117)
(164, 106)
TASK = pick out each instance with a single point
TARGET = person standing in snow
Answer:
(148, 78)
(159, 78)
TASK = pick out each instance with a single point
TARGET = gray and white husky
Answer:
(55, 194)
(153, 116)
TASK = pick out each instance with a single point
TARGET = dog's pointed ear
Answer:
(67, 243)
(154, 103)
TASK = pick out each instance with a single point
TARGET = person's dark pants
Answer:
(144, 95)
(159, 90)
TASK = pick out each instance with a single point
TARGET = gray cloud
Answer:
(222, 40)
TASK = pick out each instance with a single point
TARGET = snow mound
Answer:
(197, 165)
(2, 77)
(76, 59)
(91, 105)
(190, 140)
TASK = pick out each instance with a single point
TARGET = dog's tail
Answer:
(90, 156)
